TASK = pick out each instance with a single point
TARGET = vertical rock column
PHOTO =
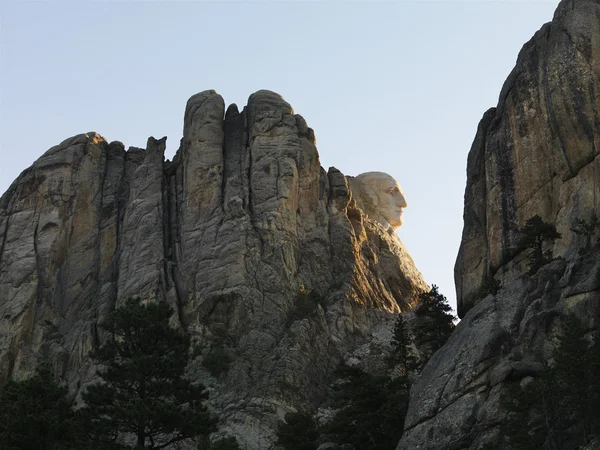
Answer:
(141, 260)
(200, 186)
(50, 274)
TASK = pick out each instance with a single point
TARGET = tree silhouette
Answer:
(401, 357)
(144, 393)
(534, 234)
(575, 368)
(372, 410)
(587, 230)
(299, 431)
(560, 408)
(35, 414)
(437, 321)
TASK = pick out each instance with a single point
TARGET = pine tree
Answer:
(372, 411)
(594, 399)
(533, 236)
(299, 431)
(144, 393)
(574, 366)
(587, 230)
(35, 414)
(401, 356)
(226, 443)
(437, 324)
(533, 415)
(561, 407)
(489, 285)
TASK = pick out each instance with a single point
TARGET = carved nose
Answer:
(403, 203)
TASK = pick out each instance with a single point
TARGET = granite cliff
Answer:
(263, 254)
(536, 153)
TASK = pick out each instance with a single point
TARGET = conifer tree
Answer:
(35, 414)
(299, 431)
(534, 234)
(401, 356)
(574, 368)
(561, 407)
(587, 230)
(143, 393)
(438, 324)
(226, 443)
(595, 386)
(372, 411)
(533, 415)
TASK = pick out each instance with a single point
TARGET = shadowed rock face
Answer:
(233, 233)
(536, 153)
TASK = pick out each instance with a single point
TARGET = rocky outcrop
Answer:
(455, 403)
(263, 255)
(536, 153)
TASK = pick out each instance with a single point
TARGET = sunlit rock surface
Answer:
(380, 197)
(262, 253)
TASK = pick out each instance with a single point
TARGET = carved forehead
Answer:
(380, 179)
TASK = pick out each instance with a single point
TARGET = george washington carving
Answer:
(380, 197)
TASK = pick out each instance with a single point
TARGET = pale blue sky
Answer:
(393, 86)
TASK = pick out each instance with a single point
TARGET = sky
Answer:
(394, 86)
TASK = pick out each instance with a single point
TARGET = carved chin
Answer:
(396, 221)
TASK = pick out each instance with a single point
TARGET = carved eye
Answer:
(393, 190)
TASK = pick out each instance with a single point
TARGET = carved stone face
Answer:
(391, 200)
(380, 196)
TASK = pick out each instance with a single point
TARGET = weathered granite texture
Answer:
(455, 403)
(536, 152)
(262, 253)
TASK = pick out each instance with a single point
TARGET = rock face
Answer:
(263, 255)
(536, 153)
(455, 403)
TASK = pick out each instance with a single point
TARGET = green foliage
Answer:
(575, 368)
(372, 412)
(216, 361)
(435, 323)
(594, 400)
(587, 230)
(489, 285)
(36, 415)
(144, 392)
(533, 415)
(401, 356)
(563, 405)
(534, 234)
(299, 431)
(225, 443)
(438, 321)
(305, 304)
